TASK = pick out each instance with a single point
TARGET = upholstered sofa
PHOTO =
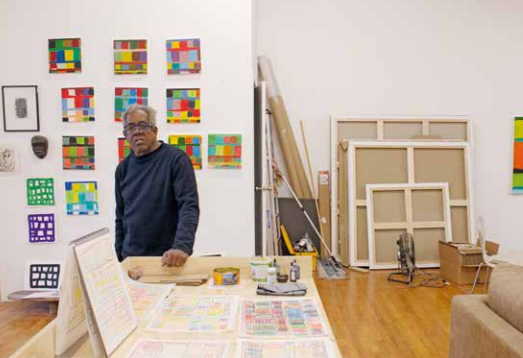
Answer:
(490, 326)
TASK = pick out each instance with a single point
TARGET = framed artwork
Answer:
(124, 149)
(20, 108)
(78, 152)
(41, 228)
(191, 145)
(65, 55)
(183, 105)
(81, 197)
(40, 191)
(78, 104)
(225, 151)
(130, 57)
(517, 171)
(42, 275)
(126, 96)
(183, 56)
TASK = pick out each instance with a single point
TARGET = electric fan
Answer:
(406, 259)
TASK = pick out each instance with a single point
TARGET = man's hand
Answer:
(174, 257)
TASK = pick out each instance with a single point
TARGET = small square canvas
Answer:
(126, 96)
(65, 55)
(191, 145)
(78, 104)
(42, 275)
(130, 57)
(41, 228)
(517, 171)
(225, 151)
(78, 152)
(40, 191)
(124, 149)
(183, 105)
(183, 56)
(81, 197)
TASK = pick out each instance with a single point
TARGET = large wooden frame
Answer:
(408, 162)
(403, 208)
(453, 128)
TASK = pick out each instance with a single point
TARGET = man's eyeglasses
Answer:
(142, 127)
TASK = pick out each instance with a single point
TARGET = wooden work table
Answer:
(42, 345)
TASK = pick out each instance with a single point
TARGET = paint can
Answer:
(259, 267)
(224, 276)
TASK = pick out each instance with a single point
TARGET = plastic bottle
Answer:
(271, 275)
(293, 273)
(297, 268)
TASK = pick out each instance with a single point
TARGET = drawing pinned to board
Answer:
(124, 149)
(20, 108)
(40, 146)
(65, 55)
(40, 191)
(42, 275)
(183, 56)
(81, 197)
(183, 105)
(225, 151)
(191, 145)
(126, 96)
(130, 57)
(8, 159)
(78, 104)
(41, 227)
(78, 152)
(517, 172)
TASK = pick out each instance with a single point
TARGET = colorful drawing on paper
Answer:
(8, 159)
(191, 145)
(179, 349)
(78, 104)
(126, 96)
(183, 56)
(147, 298)
(81, 198)
(40, 191)
(196, 314)
(302, 348)
(183, 105)
(124, 149)
(130, 57)
(225, 151)
(65, 55)
(281, 318)
(517, 173)
(44, 276)
(41, 227)
(78, 152)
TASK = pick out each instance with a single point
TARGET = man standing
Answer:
(157, 207)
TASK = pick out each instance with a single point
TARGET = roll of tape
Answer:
(226, 276)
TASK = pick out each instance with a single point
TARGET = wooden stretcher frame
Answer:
(410, 147)
(409, 224)
(380, 123)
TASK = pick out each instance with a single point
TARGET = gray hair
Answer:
(151, 113)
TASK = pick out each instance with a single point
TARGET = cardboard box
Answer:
(459, 263)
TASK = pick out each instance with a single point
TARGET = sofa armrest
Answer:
(477, 332)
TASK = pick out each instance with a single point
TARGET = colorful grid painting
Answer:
(44, 276)
(65, 56)
(517, 173)
(124, 97)
(225, 151)
(81, 197)
(78, 152)
(41, 227)
(191, 145)
(40, 191)
(78, 104)
(183, 56)
(130, 57)
(124, 149)
(183, 105)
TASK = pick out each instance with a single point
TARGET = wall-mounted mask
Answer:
(40, 146)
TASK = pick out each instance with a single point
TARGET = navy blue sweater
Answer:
(156, 203)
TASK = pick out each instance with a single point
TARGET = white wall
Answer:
(407, 57)
(225, 30)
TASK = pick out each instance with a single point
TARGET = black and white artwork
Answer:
(20, 108)
(8, 159)
(42, 275)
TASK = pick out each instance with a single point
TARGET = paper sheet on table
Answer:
(297, 348)
(47, 294)
(147, 298)
(179, 349)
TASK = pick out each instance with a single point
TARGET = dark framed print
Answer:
(20, 108)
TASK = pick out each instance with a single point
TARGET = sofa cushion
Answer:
(505, 296)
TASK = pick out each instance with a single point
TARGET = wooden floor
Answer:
(370, 318)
